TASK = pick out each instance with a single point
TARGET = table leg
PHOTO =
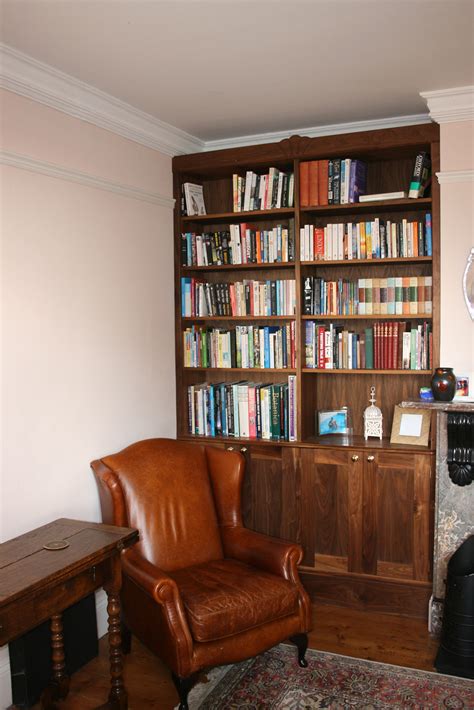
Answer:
(59, 685)
(118, 696)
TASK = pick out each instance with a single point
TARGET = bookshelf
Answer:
(283, 475)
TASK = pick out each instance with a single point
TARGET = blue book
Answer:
(357, 180)
(225, 429)
(428, 235)
(266, 346)
(212, 411)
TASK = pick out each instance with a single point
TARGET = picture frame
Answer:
(333, 421)
(410, 426)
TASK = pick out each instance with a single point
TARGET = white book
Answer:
(194, 197)
(406, 343)
(340, 241)
(280, 186)
(383, 196)
(248, 190)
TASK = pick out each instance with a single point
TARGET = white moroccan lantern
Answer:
(372, 418)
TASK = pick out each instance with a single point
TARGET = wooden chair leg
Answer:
(183, 686)
(301, 642)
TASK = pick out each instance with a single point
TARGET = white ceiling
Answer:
(224, 68)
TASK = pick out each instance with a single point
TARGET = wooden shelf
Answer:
(335, 371)
(235, 319)
(241, 267)
(372, 316)
(240, 216)
(265, 370)
(400, 205)
(369, 262)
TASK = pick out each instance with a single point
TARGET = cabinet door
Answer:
(397, 515)
(331, 509)
(270, 499)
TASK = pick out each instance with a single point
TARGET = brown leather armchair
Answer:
(198, 589)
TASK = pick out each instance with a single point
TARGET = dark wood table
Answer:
(37, 584)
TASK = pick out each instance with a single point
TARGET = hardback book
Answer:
(400, 194)
(357, 180)
(304, 184)
(313, 183)
(421, 176)
(194, 198)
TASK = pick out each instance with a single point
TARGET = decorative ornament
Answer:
(443, 384)
(373, 419)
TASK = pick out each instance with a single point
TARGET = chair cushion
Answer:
(225, 597)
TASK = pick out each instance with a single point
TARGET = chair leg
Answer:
(183, 686)
(126, 635)
(301, 642)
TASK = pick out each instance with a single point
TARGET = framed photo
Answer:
(193, 195)
(333, 421)
(410, 426)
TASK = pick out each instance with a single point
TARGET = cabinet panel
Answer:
(271, 492)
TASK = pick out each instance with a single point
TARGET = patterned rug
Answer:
(274, 680)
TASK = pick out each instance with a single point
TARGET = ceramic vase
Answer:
(443, 384)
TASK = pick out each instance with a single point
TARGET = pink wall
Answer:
(87, 311)
(457, 239)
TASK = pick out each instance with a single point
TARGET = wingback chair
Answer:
(199, 589)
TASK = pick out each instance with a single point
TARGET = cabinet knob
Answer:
(355, 457)
(230, 448)
(370, 458)
(243, 449)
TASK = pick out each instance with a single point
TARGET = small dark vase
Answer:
(443, 384)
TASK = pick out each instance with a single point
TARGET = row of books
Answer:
(395, 295)
(243, 244)
(372, 239)
(333, 181)
(244, 410)
(242, 298)
(245, 346)
(274, 189)
(387, 345)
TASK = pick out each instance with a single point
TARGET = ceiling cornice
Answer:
(38, 81)
(450, 105)
(455, 176)
(317, 131)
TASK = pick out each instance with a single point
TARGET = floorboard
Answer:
(378, 637)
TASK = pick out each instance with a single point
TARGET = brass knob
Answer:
(355, 457)
(243, 449)
(230, 448)
(370, 458)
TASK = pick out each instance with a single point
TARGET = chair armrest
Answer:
(262, 551)
(149, 577)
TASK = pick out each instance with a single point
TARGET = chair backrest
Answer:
(165, 492)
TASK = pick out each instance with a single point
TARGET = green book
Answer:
(369, 349)
(275, 394)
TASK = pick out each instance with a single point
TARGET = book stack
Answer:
(395, 295)
(247, 410)
(272, 190)
(243, 244)
(332, 181)
(386, 345)
(245, 346)
(242, 298)
(371, 239)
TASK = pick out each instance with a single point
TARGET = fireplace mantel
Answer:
(454, 505)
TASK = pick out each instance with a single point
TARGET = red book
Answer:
(304, 184)
(386, 349)
(313, 183)
(318, 243)
(323, 181)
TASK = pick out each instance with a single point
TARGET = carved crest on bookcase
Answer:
(295, 146)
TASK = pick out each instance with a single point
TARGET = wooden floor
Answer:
(377, 637)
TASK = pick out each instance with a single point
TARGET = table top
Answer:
(26, 566)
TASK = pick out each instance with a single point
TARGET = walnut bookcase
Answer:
(361, 510)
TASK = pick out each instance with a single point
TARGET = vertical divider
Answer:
(298, 324)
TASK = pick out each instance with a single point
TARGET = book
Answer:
(194, 198)
(304, 184)
(357, 180)
(400, 194)
(421, 176)
(313, 183)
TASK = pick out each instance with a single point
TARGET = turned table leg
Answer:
(59, 685)
(118, 695)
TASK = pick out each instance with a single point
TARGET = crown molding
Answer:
(318, 131)
(455, 176)
(450, 105)
(41, 82)
(24, 162)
